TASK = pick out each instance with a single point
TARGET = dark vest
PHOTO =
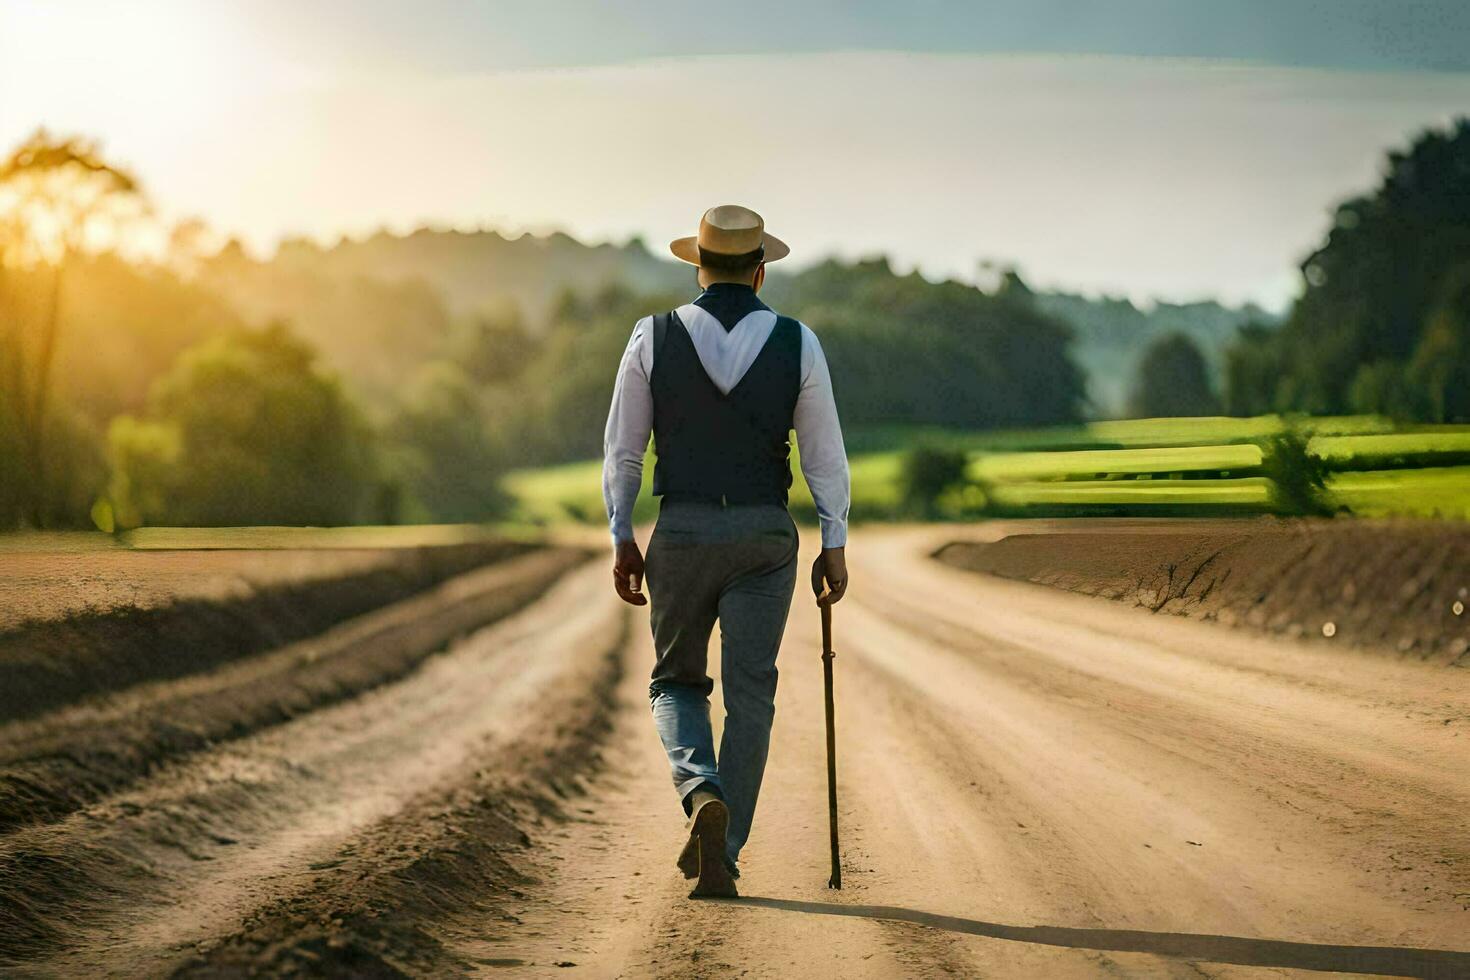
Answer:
(715, 446)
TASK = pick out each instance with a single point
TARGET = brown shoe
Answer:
(704, 853)
(689, 856)
(689, 860)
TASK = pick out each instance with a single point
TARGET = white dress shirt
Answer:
(725, 355)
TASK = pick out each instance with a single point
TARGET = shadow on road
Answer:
(1380, 960)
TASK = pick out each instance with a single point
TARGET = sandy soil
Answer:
(52, 765)
(55, 579)
(77, 623)
(1034, 783)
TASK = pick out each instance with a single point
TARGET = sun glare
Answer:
(150, 53)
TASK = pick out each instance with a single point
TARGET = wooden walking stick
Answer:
(827, 655)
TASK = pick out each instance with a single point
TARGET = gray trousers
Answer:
(735, 564)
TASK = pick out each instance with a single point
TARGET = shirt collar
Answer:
(729, 302)
(730, 287)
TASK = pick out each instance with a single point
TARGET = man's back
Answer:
(725, 445)
(730, 330)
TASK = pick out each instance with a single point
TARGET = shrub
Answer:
(1299, 478)
(926, 473)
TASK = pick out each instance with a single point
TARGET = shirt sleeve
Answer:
(819, 437)
(629, 424)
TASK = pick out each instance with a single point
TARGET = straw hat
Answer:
(729, 232)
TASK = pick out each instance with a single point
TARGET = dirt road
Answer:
(1034, 783)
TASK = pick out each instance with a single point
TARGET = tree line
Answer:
(1383, 321)
(1382, 325)
(204, 386)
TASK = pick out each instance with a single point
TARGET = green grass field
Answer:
(1168, 466)
(1445, 446)
(1011, 467)
(1442, 492)
(573, 491)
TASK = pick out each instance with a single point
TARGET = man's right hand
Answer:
(628, 573)
(829, 576)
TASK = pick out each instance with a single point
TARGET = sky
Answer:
(1148, 148)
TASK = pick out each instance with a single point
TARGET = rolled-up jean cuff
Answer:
(687, 787)
(677, 689)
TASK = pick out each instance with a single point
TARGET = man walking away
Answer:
(720, 383)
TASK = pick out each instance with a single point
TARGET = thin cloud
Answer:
(1148, 177)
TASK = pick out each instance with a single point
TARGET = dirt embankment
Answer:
(76, 625)
(1399, 586)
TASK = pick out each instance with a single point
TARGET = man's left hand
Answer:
(628, 573)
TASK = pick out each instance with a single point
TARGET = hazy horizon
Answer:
(1109, 166)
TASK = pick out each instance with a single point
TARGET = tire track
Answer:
(1028, 789)
(252, 830)
(56, 764)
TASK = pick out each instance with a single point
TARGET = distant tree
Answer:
(126, 324)
(58, 197)
(494, 349)
(14, 460)
(373, 329)
(1014, 289)
(1439, 370)
(901, 350)
(1252, 371)
(245, 429)
(12, 374)
(1383, 388)
(566, 390)
(1112, 333)
(906, 350)
(190, 242)
(448, 452)
(1375, 289)
(1172, 380)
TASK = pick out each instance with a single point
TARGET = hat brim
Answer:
(687, 249)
